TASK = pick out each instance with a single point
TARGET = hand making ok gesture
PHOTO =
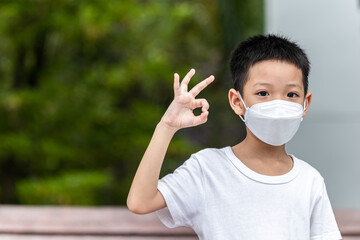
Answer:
(180, 112)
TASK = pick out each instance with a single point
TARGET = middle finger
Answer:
(186, 80)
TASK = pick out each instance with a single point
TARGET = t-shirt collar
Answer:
(284, 178)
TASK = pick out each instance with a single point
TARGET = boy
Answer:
(253, 190)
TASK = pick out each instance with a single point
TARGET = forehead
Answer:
(275, 72)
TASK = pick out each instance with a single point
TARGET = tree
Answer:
(85, 82)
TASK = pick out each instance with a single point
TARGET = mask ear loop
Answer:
(304, 108)
(244, 105)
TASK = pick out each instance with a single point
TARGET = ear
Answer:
(307, 103)
(235, 102)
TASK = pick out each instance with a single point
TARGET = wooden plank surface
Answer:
(27, 237)
(106, 221)
(110, 223)
(348, 221)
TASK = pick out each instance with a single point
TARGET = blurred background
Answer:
(84, 83)
(328, 139)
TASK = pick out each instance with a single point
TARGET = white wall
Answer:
(329, 137)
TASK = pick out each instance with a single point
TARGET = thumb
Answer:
(202, 118)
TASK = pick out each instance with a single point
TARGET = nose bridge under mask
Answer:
(274, 122)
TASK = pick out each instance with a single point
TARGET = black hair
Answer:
(268, 47)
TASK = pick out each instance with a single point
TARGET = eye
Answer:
(292, 95)
(263, 93)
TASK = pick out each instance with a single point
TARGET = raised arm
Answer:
(144, 196)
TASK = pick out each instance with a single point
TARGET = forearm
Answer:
(144, 185)
(143, 195)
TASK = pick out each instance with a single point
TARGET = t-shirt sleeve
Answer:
(183, 191)
(323, 223)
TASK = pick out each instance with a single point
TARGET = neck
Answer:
(252, 147)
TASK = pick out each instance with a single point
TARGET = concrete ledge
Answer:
(348, 222)
(92, 223)
(96, 221)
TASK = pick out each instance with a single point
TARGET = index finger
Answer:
(201, 85)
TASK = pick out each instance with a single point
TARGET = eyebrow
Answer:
(293, 85)
(269, 84)
(260, 83)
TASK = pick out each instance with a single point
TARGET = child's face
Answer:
(269, 80)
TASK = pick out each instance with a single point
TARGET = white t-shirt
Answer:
(219, 197)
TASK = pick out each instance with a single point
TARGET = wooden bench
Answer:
(110, 223)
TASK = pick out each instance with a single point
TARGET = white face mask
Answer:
(274, 122)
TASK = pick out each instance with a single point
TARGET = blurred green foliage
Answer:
(78, 188)
(84, 83)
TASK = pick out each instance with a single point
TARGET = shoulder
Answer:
(308, 169)
(210, 154)
(203, 159)
(309, 175)
(211, 158)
